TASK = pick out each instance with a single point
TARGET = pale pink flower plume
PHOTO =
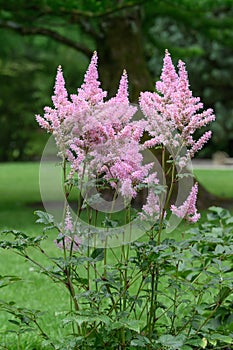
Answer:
(68, 239)
(54, 117)
(173, 114)
(106, 133)
(188, 209)
(60, 96)
(90, 90)
(152, 207)
(68, 221)
(67, 242)
(122, 93)
(87, 127)
(127, 189)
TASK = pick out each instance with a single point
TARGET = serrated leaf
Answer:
(116, 325)
(91, 319)
(140, 341)
(220, 212)
(47, 228)
(134, 325)
(44, 217)
(172, 341)
(110, 223)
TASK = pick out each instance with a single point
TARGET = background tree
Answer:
(129, 34)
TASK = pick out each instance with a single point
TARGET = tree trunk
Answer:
(122, 48)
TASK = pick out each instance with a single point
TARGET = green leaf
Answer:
(172, 341)
(200, 342)
(219, 213)
(223, 338)
(158, 189)
(82, 281)
(219, 249)
(80, 319)
(140, 341)
(17, 323)
(223, 294)
(115, 325)
(98, 254)
(134, 325)
(110, 223)
(6, 280)
(44, 218)
(230, 220)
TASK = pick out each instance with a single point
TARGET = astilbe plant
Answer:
(151, 292)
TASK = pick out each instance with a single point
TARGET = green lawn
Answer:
(20, 193)
(218, 182)
(20, 196)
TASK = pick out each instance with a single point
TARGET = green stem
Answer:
(128, 222)
(163, 158)
(80, 198)
(18, 341)
(155, 271)
(171, 187)
(88, 268)
(95, 268)
(167, 202)
(137, 295)
(136, 277)
(71, 290)
(125, 264)
(105, 257)
(68, 271)
(123, 344)
(142, 311)
(175, 302)
(106, 238)
(27, 257)
(44, 335)
(152, 305)
(208, 318)
(114, 254)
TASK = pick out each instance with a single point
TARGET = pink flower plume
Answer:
(60, 93)
(188, 209)
(90, 90)
(122, 94)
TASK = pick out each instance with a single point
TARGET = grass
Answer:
(20, 196)
(218, 182)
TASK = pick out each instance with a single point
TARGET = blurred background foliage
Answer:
(38, 35)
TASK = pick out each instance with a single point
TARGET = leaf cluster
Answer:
(176, 294)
